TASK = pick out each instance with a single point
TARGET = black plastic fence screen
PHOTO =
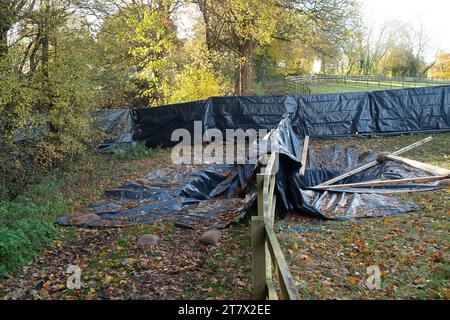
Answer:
(319, 115)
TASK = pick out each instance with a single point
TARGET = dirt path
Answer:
(114, 268)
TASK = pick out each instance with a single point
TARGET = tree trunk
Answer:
(45, 41)
(244, 78)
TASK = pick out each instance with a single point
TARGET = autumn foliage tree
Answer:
(242, 26)
(441, 68)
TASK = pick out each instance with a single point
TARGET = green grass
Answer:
(276, 86)
(27, 223)
(332, 87)
(318, 88)
(137, 152)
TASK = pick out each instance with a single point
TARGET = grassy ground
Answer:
(318, 88)
(277, 86)
(329, 260)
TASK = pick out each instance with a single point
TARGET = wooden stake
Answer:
(304, 156)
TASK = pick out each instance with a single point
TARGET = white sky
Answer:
(433, 14)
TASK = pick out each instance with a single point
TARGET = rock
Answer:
(148, 241)
(211, 237)
(445, 183)
(87, 218)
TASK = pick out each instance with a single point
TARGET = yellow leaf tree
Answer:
(441, 68)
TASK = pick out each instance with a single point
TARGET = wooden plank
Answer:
(264, 159)
(266, 199)
(271, 291)
(259, 195)
(373, 163)
(268, 262)
(272, 208)
(268, 196)
(271, 164)
(420, 165)
(348, 174)
(259, 258)
(271, 201)
(304, 156)
(382, 182)
(412, 146)
(288, 288)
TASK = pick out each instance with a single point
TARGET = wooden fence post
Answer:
(259, 258)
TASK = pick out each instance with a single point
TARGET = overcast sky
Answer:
(433, 14)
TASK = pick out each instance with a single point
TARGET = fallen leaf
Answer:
(353, 280)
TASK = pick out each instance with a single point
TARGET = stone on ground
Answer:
(211, 237)
(87, 218)
(147, 241)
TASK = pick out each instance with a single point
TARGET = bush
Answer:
(41, 130)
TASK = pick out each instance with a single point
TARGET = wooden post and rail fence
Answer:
(301, 84)
(268, 259)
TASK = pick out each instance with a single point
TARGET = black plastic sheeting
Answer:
(118, 126)
(155, 125)
(215, 195)
(188, 196)
(296, 194)
(319, 115)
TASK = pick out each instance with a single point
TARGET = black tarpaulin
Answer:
(317, 115)
(118, 126)
(215, 195)
(326, 163)
(155, 125)
(206, 196)
(334, 114)
(413, 110)
(297, 196)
